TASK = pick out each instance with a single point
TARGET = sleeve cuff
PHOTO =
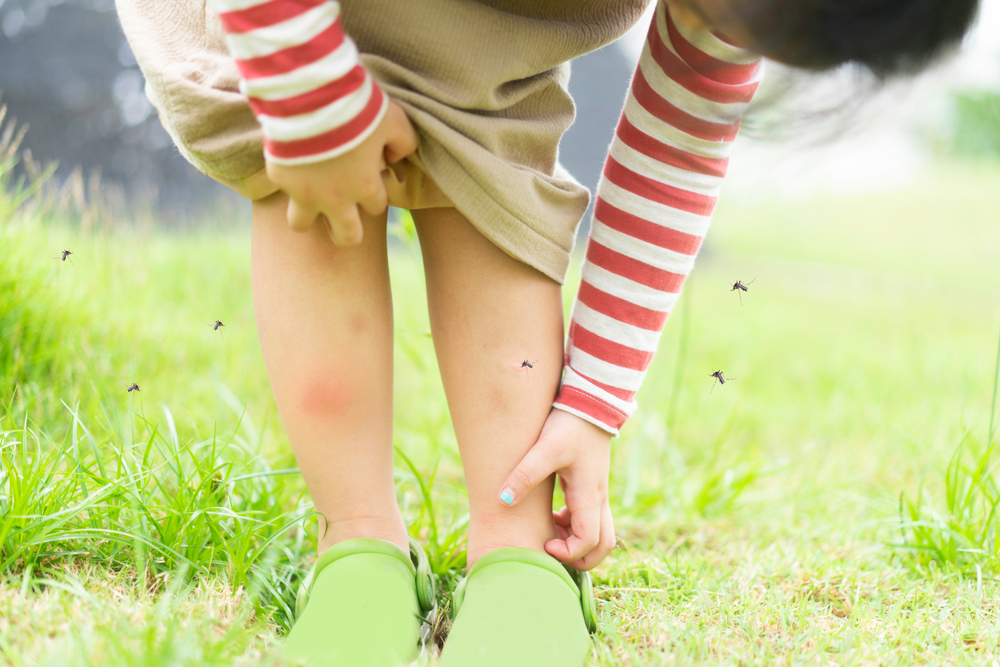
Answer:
(332, 143)
(591, 409)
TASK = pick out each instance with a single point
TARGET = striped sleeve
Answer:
(654, 203)
(303, 77)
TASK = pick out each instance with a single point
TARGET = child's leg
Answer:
(324, 316)
(489, 313)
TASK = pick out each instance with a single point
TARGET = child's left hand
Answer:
(580, 454)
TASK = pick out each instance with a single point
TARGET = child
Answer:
(454, 109)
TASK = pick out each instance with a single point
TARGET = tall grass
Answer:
(151, 501)
(31, 330)
(965, 532)
(18, 189)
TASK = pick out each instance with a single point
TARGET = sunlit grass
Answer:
(152, 502)
(757, 521)
(964, 531)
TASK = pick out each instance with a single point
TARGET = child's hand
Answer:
(580, 453)
(335, 188)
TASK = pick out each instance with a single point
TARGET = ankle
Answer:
(497, 530)
(390, 529)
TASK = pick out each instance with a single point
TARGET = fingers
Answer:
(605, 546)
(343, 186)
(301, 217)
(584, 528)
(374, 198)
(536, 466)
(583, 540)
(401, 138)
(345, 227)
(561, 519)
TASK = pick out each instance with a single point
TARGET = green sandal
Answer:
(521, 607)
(362, 605)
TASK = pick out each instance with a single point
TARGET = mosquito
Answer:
(738, 285)
(526, 365)
(719, 379)
(132, 387)
(64, 254)
(215, 325)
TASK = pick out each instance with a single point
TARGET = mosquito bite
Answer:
(524, 365)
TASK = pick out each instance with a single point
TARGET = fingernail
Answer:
(507, 496)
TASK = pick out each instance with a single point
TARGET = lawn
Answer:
(759, 522)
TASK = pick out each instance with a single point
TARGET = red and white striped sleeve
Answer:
(660, 184)
(302, 76)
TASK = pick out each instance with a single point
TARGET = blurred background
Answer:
(67, 71)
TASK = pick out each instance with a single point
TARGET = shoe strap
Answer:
(586, 586)
(424, 581)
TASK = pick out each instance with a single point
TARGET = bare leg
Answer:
(324, 315)
(489, 313)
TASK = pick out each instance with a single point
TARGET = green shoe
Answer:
(362, 606)
(520, 607)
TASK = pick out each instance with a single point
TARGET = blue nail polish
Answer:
(506, 496)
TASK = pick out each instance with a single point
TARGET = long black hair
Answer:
(886, 36)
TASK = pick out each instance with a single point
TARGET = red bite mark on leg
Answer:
(325, 396)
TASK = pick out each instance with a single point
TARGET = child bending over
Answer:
(324, 113)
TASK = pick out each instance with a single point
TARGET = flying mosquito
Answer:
(63, 255)
(720, 378)
(215, 325)
(132, 387)
(738, 285)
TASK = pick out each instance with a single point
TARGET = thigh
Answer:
(490, 313)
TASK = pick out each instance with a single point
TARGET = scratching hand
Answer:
(334, 190)
(580, 454)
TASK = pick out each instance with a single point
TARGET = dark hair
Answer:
(886, 36)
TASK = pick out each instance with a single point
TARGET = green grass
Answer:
(760, 522)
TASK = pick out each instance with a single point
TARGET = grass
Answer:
(966, 532)
(759, 523)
